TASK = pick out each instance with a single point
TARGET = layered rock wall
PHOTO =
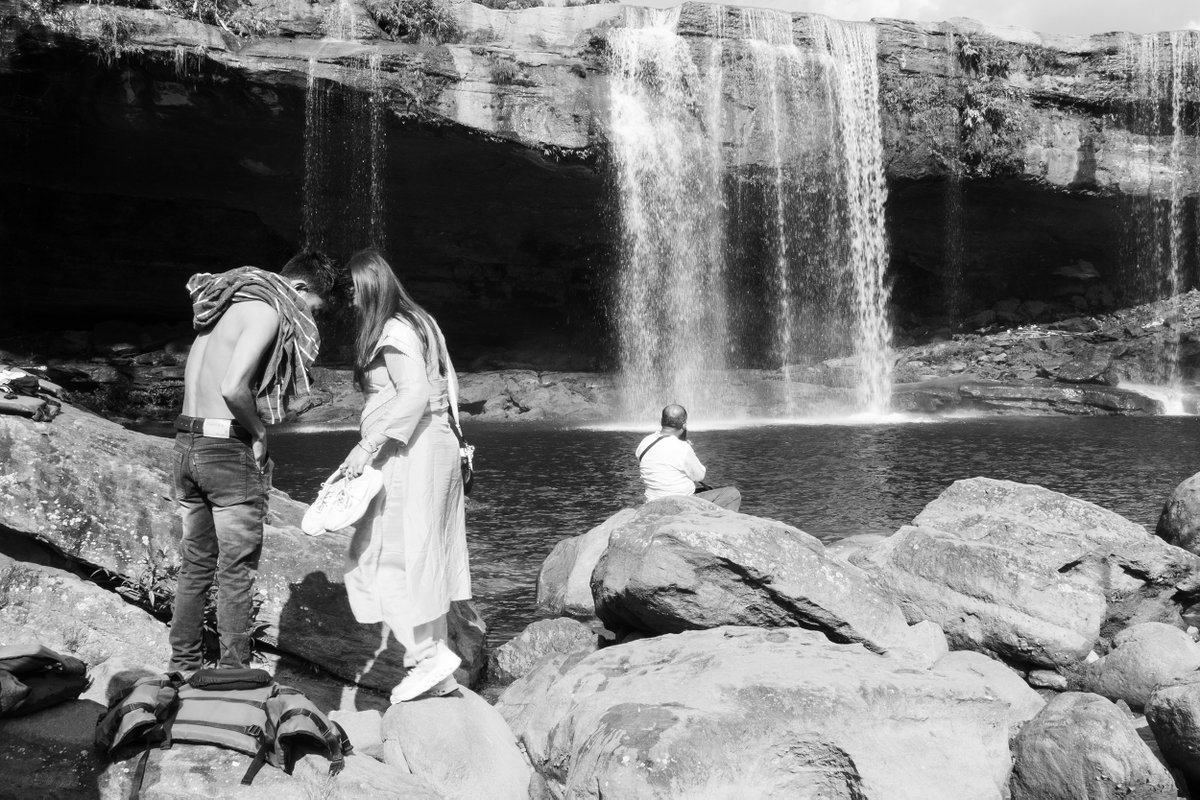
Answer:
(497, 189)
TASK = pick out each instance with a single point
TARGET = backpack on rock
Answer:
(33, 677)
(241, 709)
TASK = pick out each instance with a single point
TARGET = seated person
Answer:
(669, 465)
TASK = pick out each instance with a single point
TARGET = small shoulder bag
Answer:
(466, 451)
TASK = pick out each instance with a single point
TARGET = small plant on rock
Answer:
(416, 20)
(116, 33)
(511, 5)
(152, 587)
(232, 16)
(504, 73)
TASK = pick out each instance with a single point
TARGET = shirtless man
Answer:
(256, 338)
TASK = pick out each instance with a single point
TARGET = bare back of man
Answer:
(225, 365)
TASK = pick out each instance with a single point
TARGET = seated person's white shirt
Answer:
(669, 467)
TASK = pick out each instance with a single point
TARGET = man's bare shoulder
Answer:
(249, 315)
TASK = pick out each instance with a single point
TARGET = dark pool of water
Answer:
(537, 485)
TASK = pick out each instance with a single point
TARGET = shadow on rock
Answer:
(346, 652)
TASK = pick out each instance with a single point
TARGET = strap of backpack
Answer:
(642, 454)
(334, 743)
(139, 774)
(260, 758)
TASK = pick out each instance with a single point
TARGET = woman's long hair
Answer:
(379, 296)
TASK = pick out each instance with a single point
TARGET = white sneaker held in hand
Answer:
(348, 506)
(313, 522)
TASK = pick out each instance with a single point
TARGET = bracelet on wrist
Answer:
(368, 446)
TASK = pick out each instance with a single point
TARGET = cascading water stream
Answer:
(955, 214)
(345, 153)
(754, 150)
(1164, 73)
(856, 75)
(771, 41)
(670, 294)
(340, 22)
(314, 123)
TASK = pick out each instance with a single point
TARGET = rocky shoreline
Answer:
(1112, 364)
(1006, 638)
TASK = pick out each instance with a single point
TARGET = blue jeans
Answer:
(222, 495)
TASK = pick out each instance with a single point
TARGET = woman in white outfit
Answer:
(408, 558)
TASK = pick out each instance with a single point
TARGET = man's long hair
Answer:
(379, 296)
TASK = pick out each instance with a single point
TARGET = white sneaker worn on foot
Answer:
(427, 674)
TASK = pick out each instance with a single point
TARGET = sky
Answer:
(1044, 16)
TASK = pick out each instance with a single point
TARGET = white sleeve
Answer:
(692, 466)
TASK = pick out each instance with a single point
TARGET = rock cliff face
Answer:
(141, 135)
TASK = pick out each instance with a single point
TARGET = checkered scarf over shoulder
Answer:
(296, 344)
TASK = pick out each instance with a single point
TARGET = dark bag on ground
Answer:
(33, 677)
(241, 709)
(230, 679)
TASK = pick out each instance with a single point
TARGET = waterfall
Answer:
(1163, 71)
(345, 153)
(856, 77)
(771, 41)
(955, 215)
(669, 300)
(314, 168)
(339, 22)
(749, 180)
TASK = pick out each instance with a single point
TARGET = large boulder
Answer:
(460, 745)
(1173, 713)
(1068, 534)
(537, 642)
(1082, 747)
(1027, 573)
(681, 563)
(564, 583)
(72, 616)
(1143, 657)
(749, 712)
(1179, 522)
(987, 598)
(101, 495)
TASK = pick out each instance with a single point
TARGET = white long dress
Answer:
(408, 557)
